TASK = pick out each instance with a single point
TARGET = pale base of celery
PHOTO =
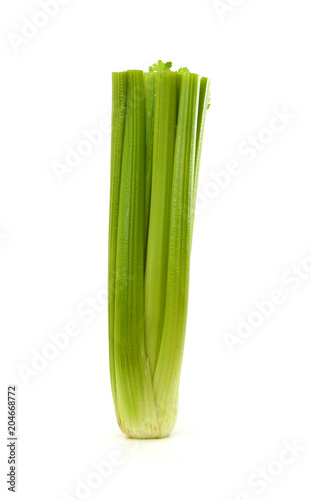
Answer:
(156, 417)
(141, 434)
(148, 431)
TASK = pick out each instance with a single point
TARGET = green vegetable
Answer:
(157, 133)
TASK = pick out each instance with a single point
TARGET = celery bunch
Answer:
(157, 133)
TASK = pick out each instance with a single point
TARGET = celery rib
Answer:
(158, 234)
(117, 128)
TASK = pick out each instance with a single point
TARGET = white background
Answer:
(237, 407)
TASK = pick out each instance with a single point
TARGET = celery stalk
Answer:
(157, 133)
(166, 379)
(117, 130)
(150, 93)
(159, 223)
